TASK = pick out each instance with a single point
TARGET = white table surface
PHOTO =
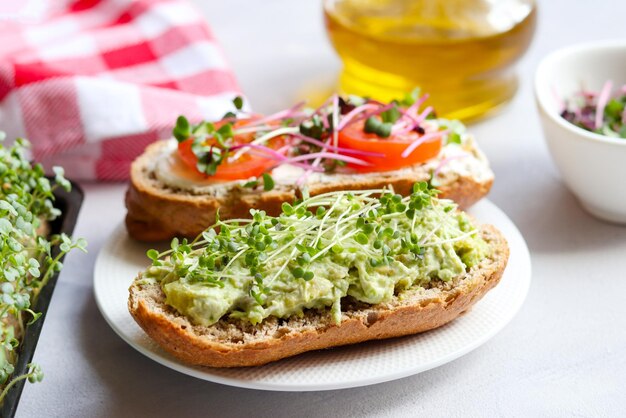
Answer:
(563, 355)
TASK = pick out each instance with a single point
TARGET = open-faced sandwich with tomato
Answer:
(246, 161)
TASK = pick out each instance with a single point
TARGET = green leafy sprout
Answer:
(215, 143)
(268, 182)
(385, 227)
(28, 258)
(581, 110)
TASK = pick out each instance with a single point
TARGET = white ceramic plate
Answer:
(363, 364)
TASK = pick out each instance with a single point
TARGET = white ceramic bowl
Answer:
(593, 166)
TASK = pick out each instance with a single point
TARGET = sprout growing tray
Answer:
(69, 203)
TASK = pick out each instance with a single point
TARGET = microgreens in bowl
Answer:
(28, 257)
(602, 112)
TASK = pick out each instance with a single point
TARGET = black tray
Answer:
(69, 203)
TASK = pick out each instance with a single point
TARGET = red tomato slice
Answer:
(246, 166)
(354, 137)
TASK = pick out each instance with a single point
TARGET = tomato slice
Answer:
(354, 137)
(246, 166)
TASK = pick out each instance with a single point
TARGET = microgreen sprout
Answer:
(313, 239)
(376, 126)
(182, 129)
(454, 138)
(28, 260)
(238, 102)
(602, 112)
(252, 184)
(411, 98)
(309, 139)
(33, 375)
(268, 182)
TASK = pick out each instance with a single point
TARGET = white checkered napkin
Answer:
(92, 82)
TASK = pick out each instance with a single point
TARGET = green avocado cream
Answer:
(370, 245)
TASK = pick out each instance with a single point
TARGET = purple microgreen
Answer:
(601, 112)
(419, 141)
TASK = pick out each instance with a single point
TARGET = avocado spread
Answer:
(370, 245)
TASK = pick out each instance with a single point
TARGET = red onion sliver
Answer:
(275, 155)
(335, 119)
(406, 114)
(422, 116)
(586, 94)
(426, 137)
(337, 149)
(319, 109)
(280, 115)
(376, 112)
(353, 113)
(417, 121)
(330, 156)
(603, 99)
(303, 178)
(265, 149)
(415, 106)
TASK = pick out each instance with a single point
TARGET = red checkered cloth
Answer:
(94, 82)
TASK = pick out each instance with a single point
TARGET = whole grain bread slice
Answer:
(157, 211)
(235, 343)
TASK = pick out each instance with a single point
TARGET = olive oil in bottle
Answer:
(459, 51)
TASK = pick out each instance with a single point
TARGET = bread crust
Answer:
(156, 213)
(417, 311)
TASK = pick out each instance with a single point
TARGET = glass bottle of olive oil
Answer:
(459, 51)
